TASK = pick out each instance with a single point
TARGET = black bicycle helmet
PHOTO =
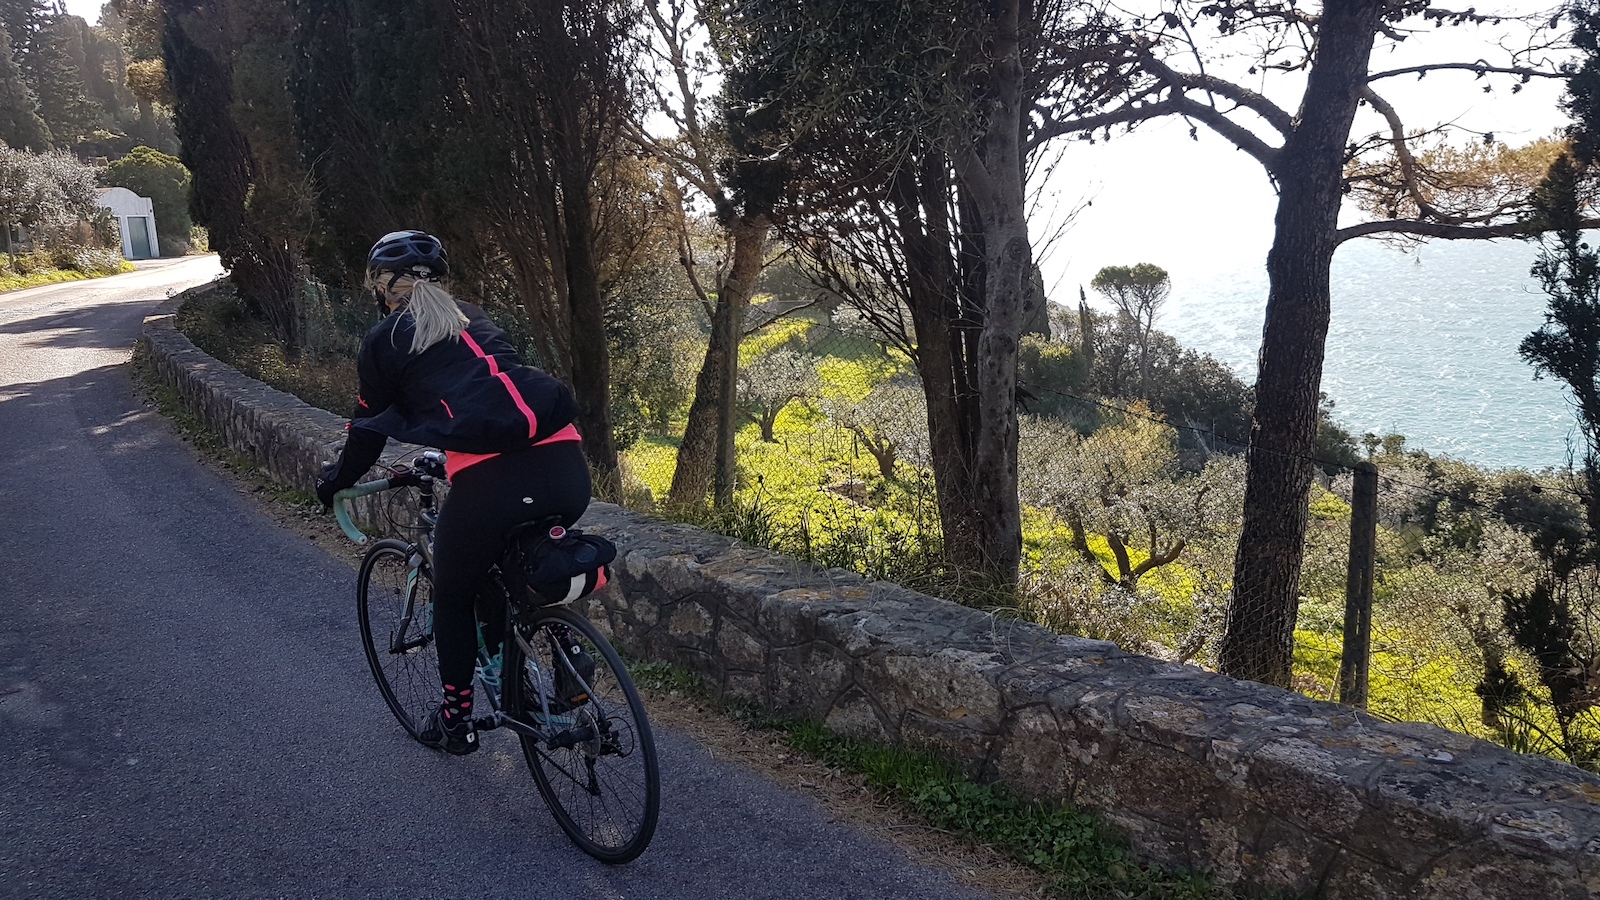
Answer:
(408, 253)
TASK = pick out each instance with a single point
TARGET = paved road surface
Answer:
(185, 710)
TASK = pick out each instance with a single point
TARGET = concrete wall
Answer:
(1266, 788)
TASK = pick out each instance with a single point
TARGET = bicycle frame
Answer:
(591, 753)
(428, 467)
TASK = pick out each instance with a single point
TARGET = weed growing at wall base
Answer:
(1078, 852)
(1081, 856)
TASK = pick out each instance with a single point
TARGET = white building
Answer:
(136, 219)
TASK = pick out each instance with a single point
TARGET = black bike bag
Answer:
(564, 563)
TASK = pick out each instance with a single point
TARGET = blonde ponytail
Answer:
(434, 312)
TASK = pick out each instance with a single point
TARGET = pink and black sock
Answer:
(457, 704)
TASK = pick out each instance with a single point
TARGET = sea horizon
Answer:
(1422, 342)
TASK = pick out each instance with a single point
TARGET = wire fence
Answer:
(1132, 522)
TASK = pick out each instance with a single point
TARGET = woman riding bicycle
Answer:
(437, 372)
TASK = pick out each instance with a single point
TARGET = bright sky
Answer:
(88, 9)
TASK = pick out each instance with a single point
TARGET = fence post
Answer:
(1358, 586)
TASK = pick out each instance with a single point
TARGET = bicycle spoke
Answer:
(392, 594)
(603, 789)
(620, 816)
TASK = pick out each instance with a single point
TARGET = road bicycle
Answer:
(558, 684)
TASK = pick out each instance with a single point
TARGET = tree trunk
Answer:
(695, 472)
(1144, 362)
(1085, 333)
(591, 357)
(942, 361)
(749, 255)
(706, 458)
(1258, 640)
(992, 176)
(884, 454)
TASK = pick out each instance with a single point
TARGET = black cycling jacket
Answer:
(472, 394)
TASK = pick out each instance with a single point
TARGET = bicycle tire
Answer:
(604, 792)
(407, 671)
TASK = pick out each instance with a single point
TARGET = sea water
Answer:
(1422, 343)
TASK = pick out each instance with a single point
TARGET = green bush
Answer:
(32, 262)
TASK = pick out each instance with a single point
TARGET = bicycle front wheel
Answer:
(595, 760)
(394, 601)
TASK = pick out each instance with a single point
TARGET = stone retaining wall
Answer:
(286, 437)
(1262, 786)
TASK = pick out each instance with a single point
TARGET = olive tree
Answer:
(1123, 483)
(772, 382)
(891, 421)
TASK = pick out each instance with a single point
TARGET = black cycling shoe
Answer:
(459, 739)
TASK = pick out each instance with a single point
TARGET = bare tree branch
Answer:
(1274, 115)
(1480, 67)
(1402, 151)
(1178, 101)
(1420, 228)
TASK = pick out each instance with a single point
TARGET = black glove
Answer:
(361, 449)
(326, 486)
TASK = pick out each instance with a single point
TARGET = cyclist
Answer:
(437, 372)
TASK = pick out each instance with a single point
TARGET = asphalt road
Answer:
(185, 710)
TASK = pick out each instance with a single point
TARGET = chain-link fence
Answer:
(1470, 593)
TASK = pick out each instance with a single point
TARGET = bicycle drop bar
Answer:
(341, 510)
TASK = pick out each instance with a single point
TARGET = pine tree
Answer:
(59, 80)
(42, 46)
(20, 124)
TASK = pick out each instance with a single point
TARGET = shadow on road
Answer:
(39, 410)
(99, 326)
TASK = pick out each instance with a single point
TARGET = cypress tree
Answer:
(225, 173)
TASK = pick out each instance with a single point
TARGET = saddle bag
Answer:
(563, 564)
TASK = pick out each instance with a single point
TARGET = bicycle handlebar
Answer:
(342, 512)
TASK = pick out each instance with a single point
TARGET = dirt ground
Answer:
(844, 795)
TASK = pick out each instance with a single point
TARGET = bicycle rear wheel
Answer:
(394, 602)
(595, 763)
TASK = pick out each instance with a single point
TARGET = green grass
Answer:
(53, 276)
(1081, 855)
(1402, 683)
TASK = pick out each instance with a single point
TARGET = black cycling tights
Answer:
(485, 501)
